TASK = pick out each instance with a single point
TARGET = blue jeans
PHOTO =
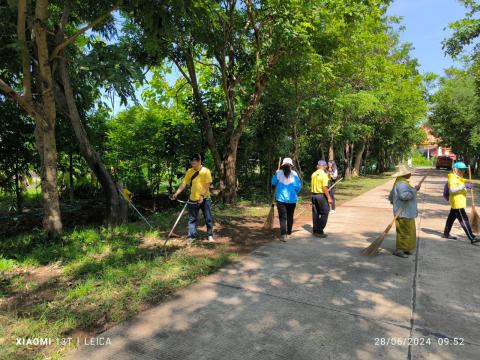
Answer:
(193, 209)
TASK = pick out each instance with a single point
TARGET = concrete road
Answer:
(315, 298)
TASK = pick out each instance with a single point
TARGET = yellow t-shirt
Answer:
(198, 185)
(319, 180)
(459, 199)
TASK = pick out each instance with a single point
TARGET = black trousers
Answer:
(285, 215)
(461, 216)
(320, 210)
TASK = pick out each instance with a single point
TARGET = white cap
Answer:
(287, 161)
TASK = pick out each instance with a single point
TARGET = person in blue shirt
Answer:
(288, 186)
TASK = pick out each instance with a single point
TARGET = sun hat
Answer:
(322, 163)
(287, 161)
(402, 170)
(460, 165)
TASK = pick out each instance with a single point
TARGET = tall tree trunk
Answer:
(322, 152)
(45, 132)
(358, 160)
(70, 170)
(331, 153)
(229, 174)
(346, 161)
(18, 191)
(116, 207)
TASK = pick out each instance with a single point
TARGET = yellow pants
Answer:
(406, 234)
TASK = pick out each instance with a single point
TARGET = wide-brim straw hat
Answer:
(402, 170)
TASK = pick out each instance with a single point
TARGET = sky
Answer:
(426, 22)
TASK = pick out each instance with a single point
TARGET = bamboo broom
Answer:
(374, 248)
(474, 218)
(268, 225)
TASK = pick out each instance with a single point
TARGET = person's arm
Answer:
(205, 192)
(327, 194)
(298, 184)
(405, 192)
(208, 183)
(455, 190)
(182, 186)
(274, 179)
(179, 191)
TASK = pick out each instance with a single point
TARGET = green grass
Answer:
(106, 276)
(419, 160)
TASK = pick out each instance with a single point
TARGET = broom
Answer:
(474, 218)
(268, 225)
(374, 248)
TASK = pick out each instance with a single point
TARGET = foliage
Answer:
(454, 115)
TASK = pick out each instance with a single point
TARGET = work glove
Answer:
(469, 186)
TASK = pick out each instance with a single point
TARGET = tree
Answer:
(44, 38)
(242, 42)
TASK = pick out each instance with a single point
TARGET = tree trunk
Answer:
(45, 130)
(70, 170)
(229, 175)
(358, 160)
(331, 153)
(296, 150)
(322, 152)
(116, 207)
(18, 192)
(346, 161)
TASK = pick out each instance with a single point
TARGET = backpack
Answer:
(446, 192)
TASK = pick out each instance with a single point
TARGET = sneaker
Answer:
(190, 240)
(475, 240)
(400, 254)
(445, 236)
(210, 239)
(332, 211)
(408, 252)
(284, 238)
(321, 235)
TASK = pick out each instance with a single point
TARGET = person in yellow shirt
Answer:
(457, 190)
(321, 199)
(199, 178)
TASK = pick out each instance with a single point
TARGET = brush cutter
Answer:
(134, 208)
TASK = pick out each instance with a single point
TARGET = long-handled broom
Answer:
(474, 218)
(268, 225)
(374, 248)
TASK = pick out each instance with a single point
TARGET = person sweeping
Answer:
(457, 197)
(321, 199)
(403, 197)
(288, 185)
(199, 178)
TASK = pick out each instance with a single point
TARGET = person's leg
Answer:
(290, 213)
(207, 215)
(282, 216)
(324, 210)
(332, 195)
(192, 220)
(465, 223)
(315, 214)
(448, 225)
